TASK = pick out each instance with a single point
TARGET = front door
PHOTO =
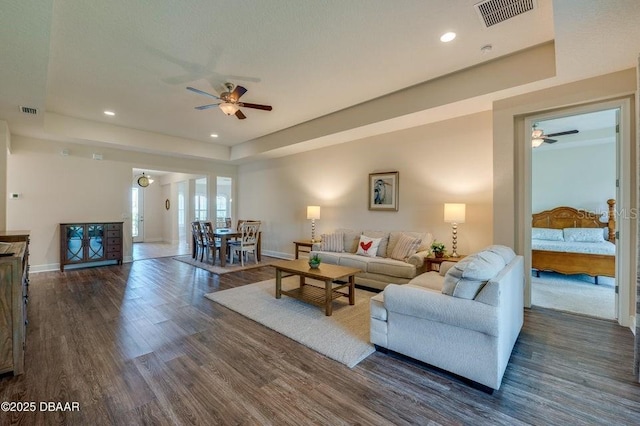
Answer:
(137, 214)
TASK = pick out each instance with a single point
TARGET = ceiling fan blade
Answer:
(200, 92)
(568, 132)
(206, 106)
(547, 140)
(256, 106)
(237, 92)
(240, 115)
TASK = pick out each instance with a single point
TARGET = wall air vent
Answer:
(28, 110)
(493, 12)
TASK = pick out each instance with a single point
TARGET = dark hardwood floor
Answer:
(139, 344)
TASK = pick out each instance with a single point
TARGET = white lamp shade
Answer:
(454, 212)
(229, 108)
(313, 212)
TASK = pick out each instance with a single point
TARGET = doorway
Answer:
(573, 166)
(615, 136)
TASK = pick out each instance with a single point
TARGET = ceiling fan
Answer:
(538, 137)
(229, 101)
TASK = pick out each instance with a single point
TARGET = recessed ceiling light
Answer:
(447, 37)
(111, 113)
(214, 135)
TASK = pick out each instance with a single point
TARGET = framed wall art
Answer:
(383, 191)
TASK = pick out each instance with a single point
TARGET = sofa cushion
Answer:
(431, 280)
(505, 252)
(384, 241)
(368, 246)
(466, 278)
(405, 247)
(328, 256)
(378, 310)
(395, 268)
(353, 261)
(332, 242)
(351, 239)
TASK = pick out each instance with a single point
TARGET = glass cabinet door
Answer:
(95, 245)
(75, 243)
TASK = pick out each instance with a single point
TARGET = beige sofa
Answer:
(465, 322)
(381, 270)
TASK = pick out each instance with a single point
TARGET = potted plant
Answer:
(438, 249)
(314, 261)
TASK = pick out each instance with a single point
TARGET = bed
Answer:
(555, 247)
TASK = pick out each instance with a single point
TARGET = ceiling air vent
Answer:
(29, 110)
(495, 11)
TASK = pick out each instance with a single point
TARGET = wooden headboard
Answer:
(568, 217)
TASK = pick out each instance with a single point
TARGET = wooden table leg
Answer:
(301, 281)
(278, 283)
(297, 248)
(352, 289)
(328, 302)
(223, 250)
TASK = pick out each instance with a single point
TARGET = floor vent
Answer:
(29, 110)
(495, 11)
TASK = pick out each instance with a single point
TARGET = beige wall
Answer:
(448, 161)
(55, 188)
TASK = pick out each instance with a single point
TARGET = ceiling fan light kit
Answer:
(230, 101)
(538, 137)
(229, 108)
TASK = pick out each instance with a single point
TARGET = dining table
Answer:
(225, 235)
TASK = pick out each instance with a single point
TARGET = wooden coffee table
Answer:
(314, 294)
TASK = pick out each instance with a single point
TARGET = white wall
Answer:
(448, 161)
(58, 189)
(581, 177)
(5, 140)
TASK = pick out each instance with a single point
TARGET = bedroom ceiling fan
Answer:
(538, 137)
(230, 101)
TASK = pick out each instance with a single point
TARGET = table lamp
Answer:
(313, 213)
(454, 214)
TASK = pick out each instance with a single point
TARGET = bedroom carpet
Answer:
(219, 270)
(574, 293)
(343, 336)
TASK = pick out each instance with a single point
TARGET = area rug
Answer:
(219, 270)
(343, 336)
(574, 293)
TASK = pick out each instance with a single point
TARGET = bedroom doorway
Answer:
(575, 169)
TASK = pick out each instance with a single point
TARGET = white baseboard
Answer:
(277, 254)
(34, 269)
(632, 322)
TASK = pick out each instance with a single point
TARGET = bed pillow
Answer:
(405, 247)
(547, 234)
(583, 235)
(332, 242)
(368, 246)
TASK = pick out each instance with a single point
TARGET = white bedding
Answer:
(604, 247)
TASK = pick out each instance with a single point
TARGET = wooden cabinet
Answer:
(14, 279)
(82, 243)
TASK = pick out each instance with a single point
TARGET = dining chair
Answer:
(212, 244)
(248, 242)
(198, 241)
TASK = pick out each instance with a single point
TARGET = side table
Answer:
(307, 244)
(433, 263)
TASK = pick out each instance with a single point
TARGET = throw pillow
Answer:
(547, 234)
(583, 235)
(405, 247)
(384, 241)
(332, 242)
(351, 239)
(368, 246)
